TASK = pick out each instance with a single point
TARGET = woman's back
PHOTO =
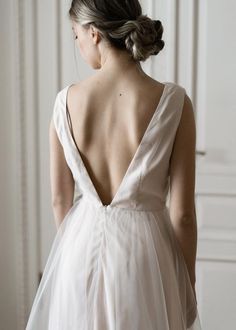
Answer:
(109, 118)
(115, 262)
(119, 266)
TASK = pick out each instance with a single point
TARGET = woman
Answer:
(121, 258)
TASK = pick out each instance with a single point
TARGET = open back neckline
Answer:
(131, 163)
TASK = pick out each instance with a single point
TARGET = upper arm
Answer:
(62, 181)
(182, 167)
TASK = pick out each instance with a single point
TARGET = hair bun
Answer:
(144, 37)
(157, 24)
(159, 28)
(122, 24)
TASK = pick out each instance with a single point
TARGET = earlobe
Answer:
(96, 39)
(95, 36)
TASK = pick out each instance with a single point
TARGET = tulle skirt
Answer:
(116, 270)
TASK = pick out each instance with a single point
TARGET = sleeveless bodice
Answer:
(145, 184)
(119, 266)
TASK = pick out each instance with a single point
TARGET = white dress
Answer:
(119, 266)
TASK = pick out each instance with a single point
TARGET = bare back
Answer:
(108, 122)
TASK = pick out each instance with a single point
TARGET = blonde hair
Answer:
(121, 24)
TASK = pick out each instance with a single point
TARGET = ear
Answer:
(95, 34)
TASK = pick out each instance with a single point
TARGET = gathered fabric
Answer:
(119, 266)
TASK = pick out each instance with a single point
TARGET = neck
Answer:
(118, 63)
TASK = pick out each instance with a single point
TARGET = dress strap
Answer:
(68, 118)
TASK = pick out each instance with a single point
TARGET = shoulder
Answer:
(81, 85)
(177, 88)
(76, 90)
(187, 108)
(187, 102)
(62, 95)
(186, 113)
(72, 87)
(59, 97)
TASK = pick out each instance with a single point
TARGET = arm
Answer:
(182, 187)
(62, 181)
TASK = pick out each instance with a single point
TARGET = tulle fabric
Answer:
(118, 269)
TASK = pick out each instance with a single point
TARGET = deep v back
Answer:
(119, 266)
(163, 123)
(135, 153)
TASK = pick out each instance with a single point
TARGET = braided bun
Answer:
(143, 37)
(121, 24)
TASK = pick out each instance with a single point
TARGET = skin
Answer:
(110, 112)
